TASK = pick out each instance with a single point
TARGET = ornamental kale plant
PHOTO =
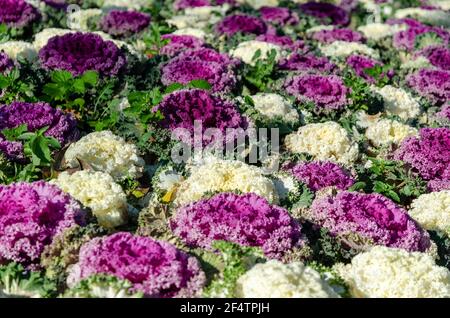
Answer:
(336, 118)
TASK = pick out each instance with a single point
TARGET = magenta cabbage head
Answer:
(439, 56)
(155, 268)
(321, 174)
(184, 4)
(326, 13)
(61, 125)
(307, 62)
(31, 215)
(124, 23)
(206, 64)
(242, 23)
(325, 91)
(180, 43)
(17, 13)
(444, 113)
(431, 84)
(371, 216)
(406, 39)
(80, 52)
(182, 108)
(278, 15)
(330, 36)
(428, 154)
(246, 219)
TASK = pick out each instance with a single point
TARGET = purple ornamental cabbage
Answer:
(246, 219)
(326, 13)
(444, 113)
(321, 174)
(183, 107)
(245, 24)
(180, 43)
(428, 154)
(307, 62)
(371, 216)
(406, 39)
(17, 13)
(278, 15)
(124, 23)
(184, 4)
(203, 63)
(325, 91)
(31, 215)
(439, 56)
(156, 268)
(283, 41)
(6, 64)
(61, 125)
(432, 84)
(80, 52)
(330, 36)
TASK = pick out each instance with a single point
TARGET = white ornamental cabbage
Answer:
(324, 141)
(246, 50)
(432, 211)
(275, 106)
(277, 280)
(399, 102)
(97, 191)
(384, 272)
(217, 175)
(385, 132)
(106, 152)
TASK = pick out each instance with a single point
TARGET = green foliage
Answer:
(67, 91)
(443, 246)
(379, 74)
(6, 169)
(15, 281)
(258, 76)
(392, 179)
(38, 150)
(327, 249)
(427, 39)
(361, 96)
(153, 40)
(64, 250)
(14, 88)
(236, 260)
(301, 197)
(198, 83)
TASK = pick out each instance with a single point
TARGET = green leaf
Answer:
(393, 195)
(78, 86)
(53, 142)
(54, 90)
(173, 87)
(357, 186)
(257, 55)
(90, 77)
(200, 83)
(12, 134)
(61, 76)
